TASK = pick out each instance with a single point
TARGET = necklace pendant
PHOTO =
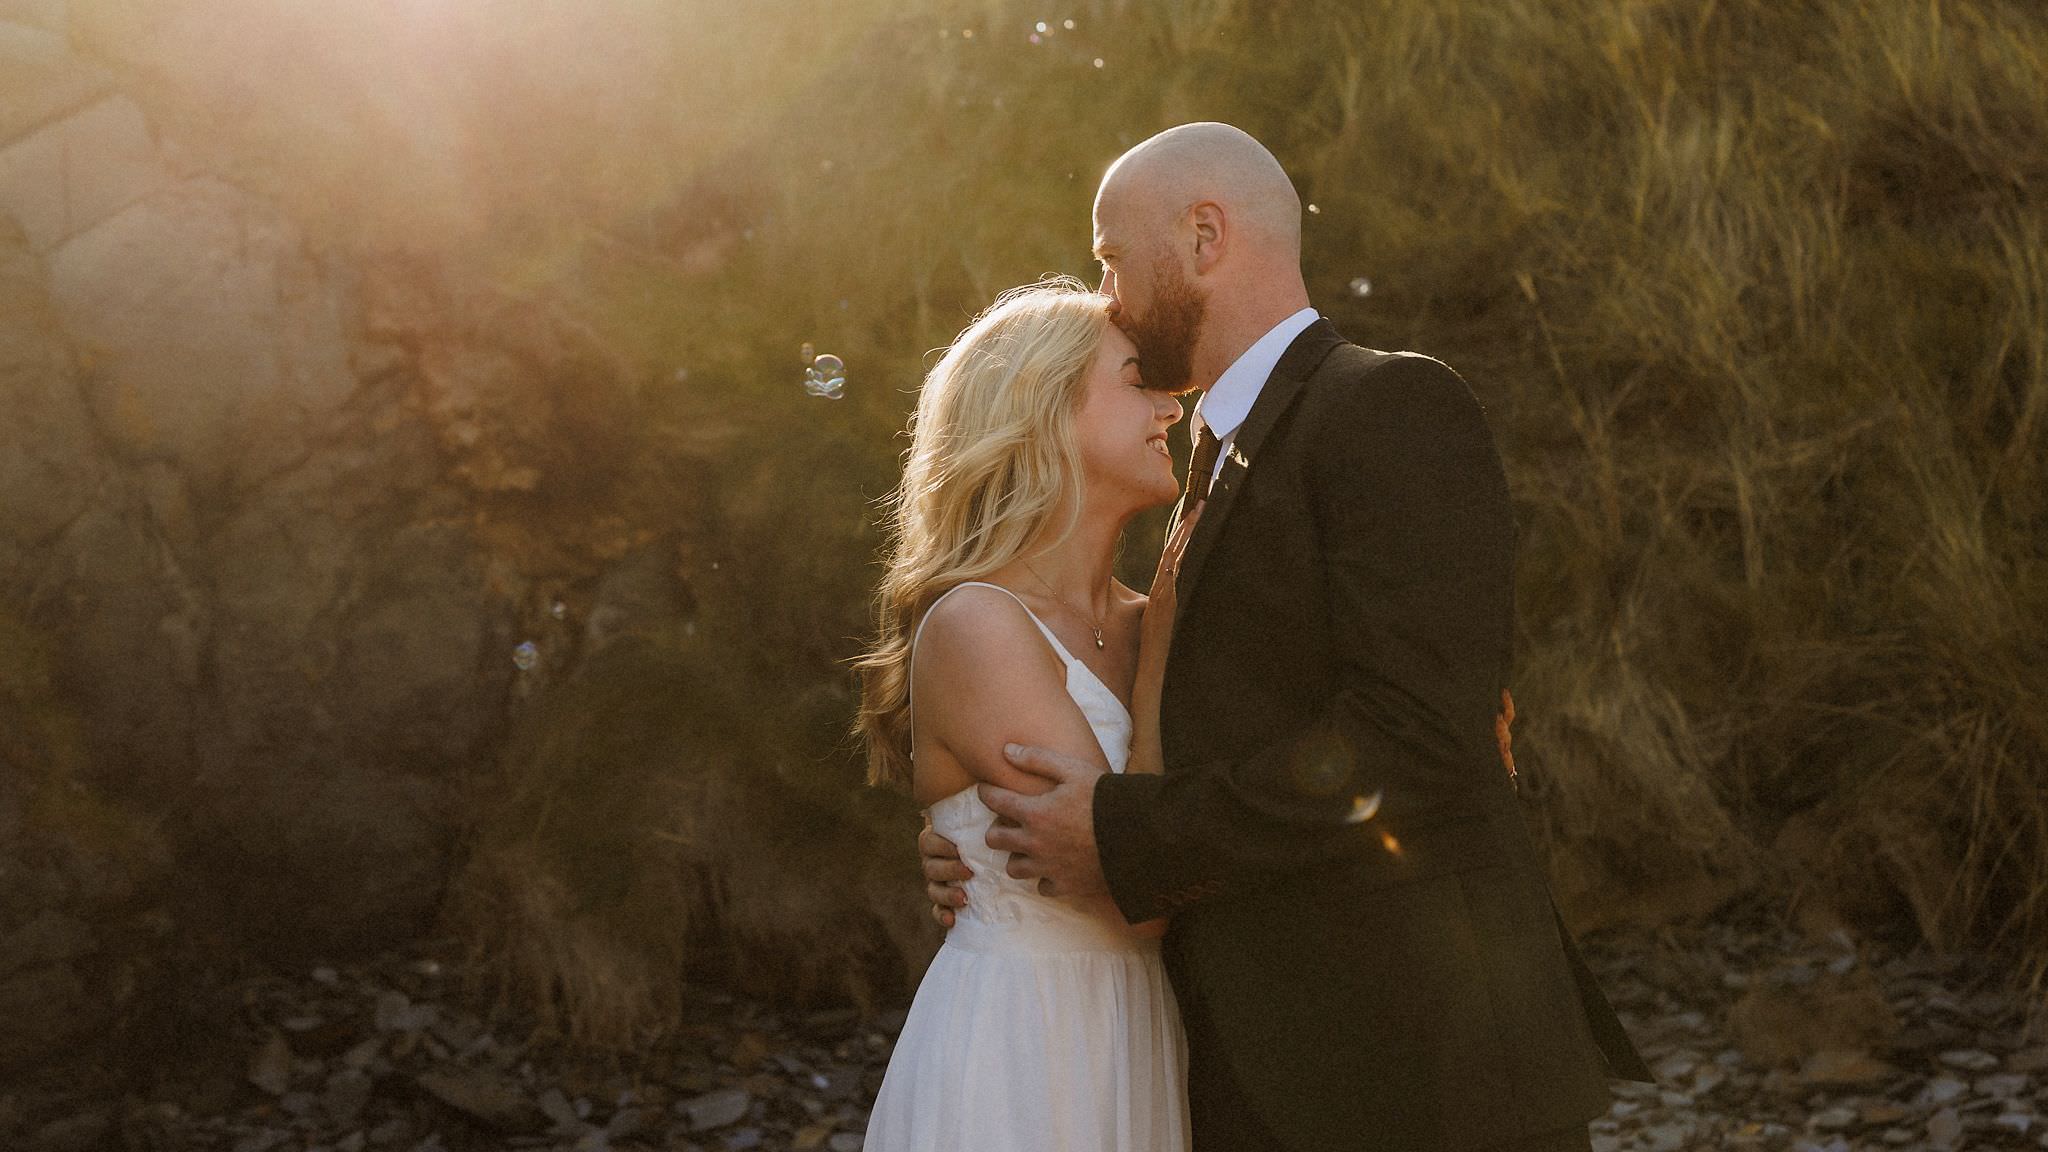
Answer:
(1098, 638)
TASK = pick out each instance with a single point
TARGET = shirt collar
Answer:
(1228, 401)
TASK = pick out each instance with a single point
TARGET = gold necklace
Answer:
(1096, 627)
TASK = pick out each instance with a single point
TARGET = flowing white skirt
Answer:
(1015, 1044)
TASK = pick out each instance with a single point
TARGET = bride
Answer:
(1042, 1024)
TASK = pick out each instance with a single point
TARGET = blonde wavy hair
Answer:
(993, 469)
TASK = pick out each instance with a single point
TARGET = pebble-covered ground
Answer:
(1761, 1040)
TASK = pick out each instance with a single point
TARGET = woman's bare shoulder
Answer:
(979, 652)
(984, 676)
(973, 624)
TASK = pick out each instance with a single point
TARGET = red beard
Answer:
(1166, 335)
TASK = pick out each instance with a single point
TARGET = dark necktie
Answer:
(1203, 466)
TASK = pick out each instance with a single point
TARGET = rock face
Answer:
(217, 343)
(333, 554)
(81, 914)
(263, 590)
(225, 516)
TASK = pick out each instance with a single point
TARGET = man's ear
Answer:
(1211, 232)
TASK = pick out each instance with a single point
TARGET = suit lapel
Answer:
(1296, 364)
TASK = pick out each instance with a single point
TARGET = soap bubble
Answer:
(1360, 286)
(1043, 27)
(1098, 61)
(826, 376)
(1035, 38)
(558, 610)
(527, 656)
(1067, 24)
(1363, 808)
(1314, 211)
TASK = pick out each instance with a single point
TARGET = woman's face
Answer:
(1122, 429)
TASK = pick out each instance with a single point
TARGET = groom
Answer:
(1362, 943)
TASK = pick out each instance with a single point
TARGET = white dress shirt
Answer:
(1228, 401)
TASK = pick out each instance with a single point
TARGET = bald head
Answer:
(1198, 231)
(1164, 176)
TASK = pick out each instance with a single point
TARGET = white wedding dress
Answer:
(1042, 1025)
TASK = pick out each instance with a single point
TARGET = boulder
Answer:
(216, 343)
(92, 159)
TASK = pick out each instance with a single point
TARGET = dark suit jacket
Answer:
(1346, 615)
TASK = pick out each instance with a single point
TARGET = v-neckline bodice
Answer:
(1060, 649)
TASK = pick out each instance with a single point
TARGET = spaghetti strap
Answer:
(1067, 658)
